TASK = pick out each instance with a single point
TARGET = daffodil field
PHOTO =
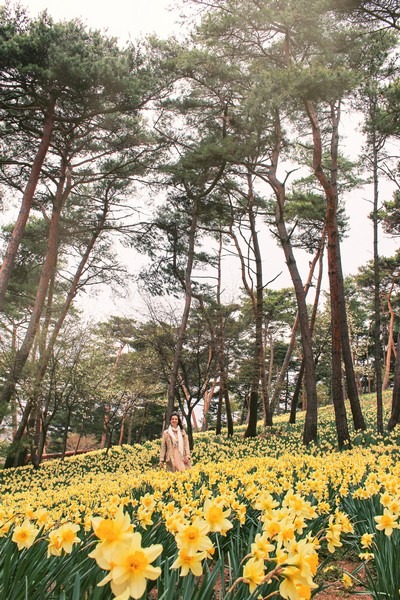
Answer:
(257, 518)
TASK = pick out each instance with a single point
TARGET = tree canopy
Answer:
(220, 145)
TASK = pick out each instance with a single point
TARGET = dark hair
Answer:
(176, 414)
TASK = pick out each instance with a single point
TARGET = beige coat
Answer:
(167, 449)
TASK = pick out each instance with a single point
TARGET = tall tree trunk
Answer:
(130, 430)
(340, 331)
(376, 144)
(228, 409)
(258, 306)
(256, 296)
(17, 453)
(310, 426)
(37, 398)
(189, 429)
(14, 403)
(342, 429)
(271, 364)
(187, 285)
(41, 292)
(223, 375)
(106, 419)
(337, 384)
(377, 329)
(390, 344)
(208, 395)
(395, 414)
(78, 441)
(253, 397)
(27, 198)
(351, 383)
(73, 290)
(65, 433)
(299, 382)
(245, 408)
(187, 280)
(37, 457)
(218, 425)
(46, 352)
(285, 365)
(122, 431)
(296, 394)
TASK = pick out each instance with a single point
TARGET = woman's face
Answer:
(174, 421)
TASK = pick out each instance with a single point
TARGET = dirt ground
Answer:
(333, 577)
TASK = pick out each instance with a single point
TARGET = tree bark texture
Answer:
(340, 332)
(27, 198)
(187, 283)
(41, 292)
(285, 365)
(311, 420)
(395, 414)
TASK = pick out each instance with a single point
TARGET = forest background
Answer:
(222, 146)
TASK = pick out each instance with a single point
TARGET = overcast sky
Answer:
(121, 18)
(129, 20)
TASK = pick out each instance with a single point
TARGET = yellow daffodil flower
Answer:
(366, 540)
(387, 522)
(253, 573)
(131, 567)
(216, 517)
(25, 534)
(347, 581)
(111, 533)
(333, 533)
(261, 547)
(188, 561)
(194, 536)
(66, 535)
(367, 556)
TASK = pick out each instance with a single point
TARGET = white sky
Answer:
(121, 18)
(129, 20)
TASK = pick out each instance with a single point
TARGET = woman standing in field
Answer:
(175, 451)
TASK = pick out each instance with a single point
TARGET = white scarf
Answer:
(174, 433)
